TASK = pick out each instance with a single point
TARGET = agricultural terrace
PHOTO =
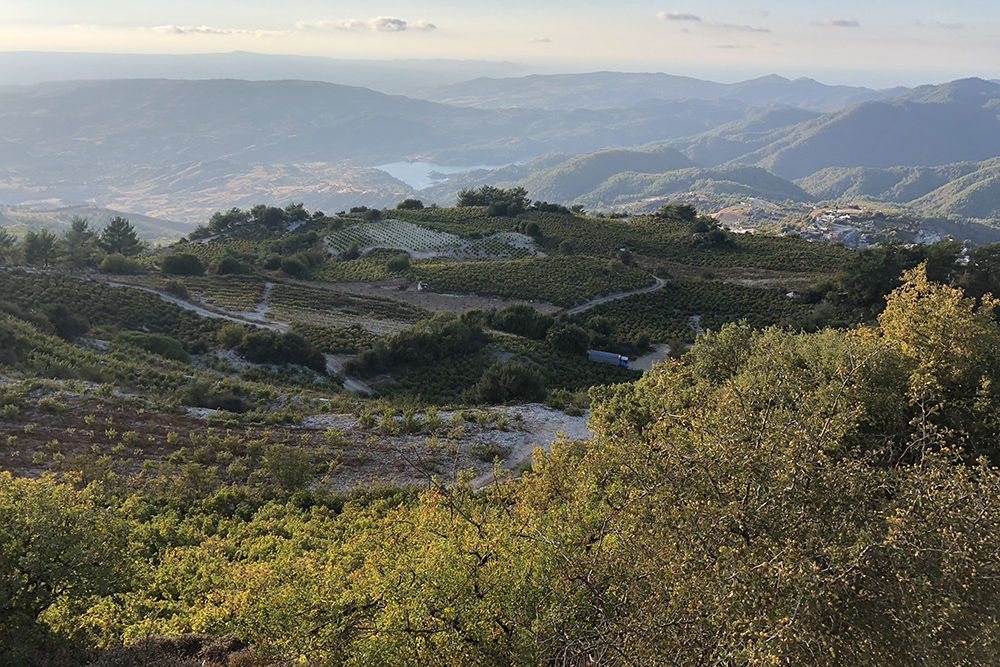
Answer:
(664, 314)
(563, 281)
(463, 221)
(667, 239)
(232, 293)
(313, 305)
(447, 381)
(247, 241)
(111, 308)
(420, 241)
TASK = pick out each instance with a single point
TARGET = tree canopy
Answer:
(119, 237)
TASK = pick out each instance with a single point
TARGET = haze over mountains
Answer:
(181, 149)
(601, 90)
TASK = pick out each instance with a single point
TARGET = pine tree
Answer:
(39, 247)
(79, 245)
(120, 237)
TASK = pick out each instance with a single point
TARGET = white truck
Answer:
(607, 358)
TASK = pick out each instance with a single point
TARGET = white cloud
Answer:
(716, 25)
(677, 16)
(761, 13)
(735, 27)
(388, 24)
(839, 23)
(541, 40)
(381, 24)
(208, 30)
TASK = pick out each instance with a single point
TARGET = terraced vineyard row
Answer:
(563, 281)
(290, 297)
(335, 340)
(462, 221)
(248, 241)
(114, 308)
(339, 319)
(664, 314)
(232, 293)
(409, 237)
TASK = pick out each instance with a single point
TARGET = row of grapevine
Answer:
(664, 314)
(302, 297)
(563, 281)
(413, 238)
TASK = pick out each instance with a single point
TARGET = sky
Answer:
(877, 44)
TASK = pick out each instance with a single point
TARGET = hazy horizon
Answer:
(854, 43)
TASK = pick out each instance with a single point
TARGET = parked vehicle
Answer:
(607, 358)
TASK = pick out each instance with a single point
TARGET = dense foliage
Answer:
(775, 498)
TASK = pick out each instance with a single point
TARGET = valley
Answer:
(610, 369)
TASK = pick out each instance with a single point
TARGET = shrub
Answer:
(120, 264)
(231, 335)
(177, 288)
(165, 346)
(229, 265)
(507, 381)
(182, 264)
(399, 263)
(67, 324)
(523, 320)
(268, 347)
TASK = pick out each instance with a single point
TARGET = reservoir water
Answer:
(418, 174)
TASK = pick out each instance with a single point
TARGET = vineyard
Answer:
(563, 281)
(446, 382)
(335, 340)
(379, 315)
(249, 241)
(664, 314)
(463, 221)
(111, 308)
(231, 293)
(422, 241)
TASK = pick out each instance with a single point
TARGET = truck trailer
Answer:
(607, 358)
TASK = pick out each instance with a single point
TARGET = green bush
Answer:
(165, 346)
(231, 335)
(507, 381)
(182, 264)
(229, 265)
(120, 264)
(268, 347)
(399, 264)
(176, 287)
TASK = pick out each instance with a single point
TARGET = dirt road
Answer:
(613, 297)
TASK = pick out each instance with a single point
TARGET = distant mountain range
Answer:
(181, 149)
(397, 77)
(928, 126)
(603, 90)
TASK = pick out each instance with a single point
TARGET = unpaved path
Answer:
(542, 426)
(335, 366)
(201, 311)
(660, 352)
(619, 295)
(401, 289)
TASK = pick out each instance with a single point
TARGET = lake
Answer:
(418, 174)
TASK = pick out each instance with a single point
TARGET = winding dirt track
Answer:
(613, 297)
(203, 312)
